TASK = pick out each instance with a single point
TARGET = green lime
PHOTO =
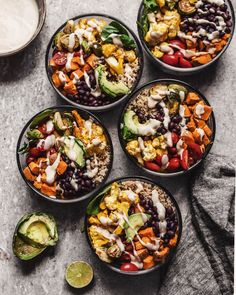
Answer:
(79, 274)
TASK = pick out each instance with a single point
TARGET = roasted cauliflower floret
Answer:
(102, 254)
(94, 220)
(98, 239)
(128, 196)
(172, 19)
(108, 49)
(157, 53)
(133, 148)
(130, 55)
(149, 152)
(161, 3)
(157, 33)
(111, 200)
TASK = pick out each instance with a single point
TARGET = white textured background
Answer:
(25, 90)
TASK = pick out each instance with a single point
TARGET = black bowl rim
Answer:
(123, 98)
(177, 70)
(175, 203)
(36, 33)
(122, 142)
(86, 196)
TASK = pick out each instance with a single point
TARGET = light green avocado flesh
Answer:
(112, 89)
(177, 88)
(25, 251)
(75, 153)
(39, 231)
(135, 222)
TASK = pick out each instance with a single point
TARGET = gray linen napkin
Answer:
(204, 260)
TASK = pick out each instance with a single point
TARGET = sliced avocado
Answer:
(135, 222)
(74, 151)
(185, 7)
(40, 117)
(112, 89)
(34, 134)
(38, 230)
(86, 47)
(57, 40)
(57, 120)
(25, 251)
(175, 90)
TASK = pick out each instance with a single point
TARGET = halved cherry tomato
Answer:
(184, 161)
(34, 152)
(175, 138)
(170, 59)
(152, 166)
(60, 58)
(158, 160)
(184, 63)
(178, 43)
(173, 164)
(196, 150)
(128, 267)
(42, 128)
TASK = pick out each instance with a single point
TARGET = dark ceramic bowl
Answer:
(21, 158)
(211, 123)
(119, 100)
(115, 267)
(183, 71)
(42, 15)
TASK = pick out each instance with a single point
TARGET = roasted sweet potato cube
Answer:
(70, 88)
(192, 98)
(191, 124)
(37, 184)
(187, 137)
(61, 168)
(200, 123)
(206, 140)
(56, 80)
(147, 232)
(148, 262)
(207, 113)
(173, 241)
(160, 255)
(138, 246)
(146, 240)
(78, 118)
(92, 60)
(34, 168)
(28, 174)
(76, 74)
(198, 136)
(202, 111)
(187, 112)
(48, 190)
(207, 130)
(86, 68)
(142, 253)
(202, 59)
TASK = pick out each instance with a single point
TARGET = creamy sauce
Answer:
(179, 147)
(150, 128)
(201, 133)
(51, 170)
(18, 23)
(168, 137)
(49, 126)
(164, 162)
(166, 115)
(200, 110)
(69, 59)
(47, 143)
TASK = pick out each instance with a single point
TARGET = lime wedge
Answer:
(79, 274)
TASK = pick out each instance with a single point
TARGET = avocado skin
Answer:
(22, 247)
(110, 88)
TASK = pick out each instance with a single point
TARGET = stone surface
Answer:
(25, 90)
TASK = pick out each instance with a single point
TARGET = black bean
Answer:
(170, 233)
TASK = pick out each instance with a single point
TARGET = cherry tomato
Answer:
(152, 166)
(34, 152)
(173, 165)
(184, 63)
(175, 138)
(52, 151)
(42, 128)
(170, 59)
(158, 160)
(178, 43)
(128, 267)
(196, 150)
(178, 54)
(60, 58)
(125, 257)
(191, 161)
(184, 161)
(128, 247)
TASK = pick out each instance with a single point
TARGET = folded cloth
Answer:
(204, 260)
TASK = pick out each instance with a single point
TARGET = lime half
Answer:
(79, 274)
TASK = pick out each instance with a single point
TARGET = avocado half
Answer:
(33, 234)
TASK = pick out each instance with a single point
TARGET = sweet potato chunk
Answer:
(192, 98)
(202, 59)
(206, 140)
(197, 136)
(188, 137)
(70, 88)
(34, 168)
(29, 176)
(61, 168)
(191, 125)
(37, 184)
(48, 190)
(200, 123)
(173, 241)
(78, 73)
(92, 60)
(78, 118)
(142, 253)
(207, 130)
(147, 232)
(56, 81)
(148, 262)
(207, 111)
(187, 112)
(160, 255)
(138, 246)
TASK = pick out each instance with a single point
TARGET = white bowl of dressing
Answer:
(20, 23)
